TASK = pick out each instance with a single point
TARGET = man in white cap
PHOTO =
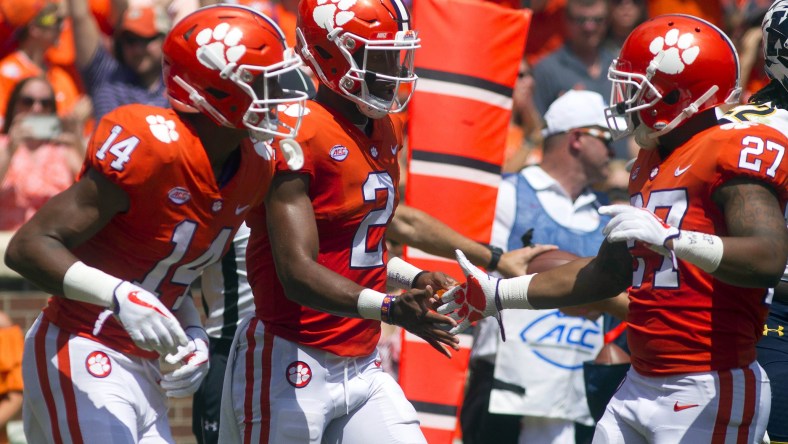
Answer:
(537, 373)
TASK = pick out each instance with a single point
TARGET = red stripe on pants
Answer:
(43, 379)
(750, 390)
(250, 343)
(265, 385)
(724, 408)
(67, 386)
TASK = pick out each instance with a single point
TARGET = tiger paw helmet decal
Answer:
(330, 14)
(678, 50)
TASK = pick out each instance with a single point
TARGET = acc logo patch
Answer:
(298, 374)
(179, 195)
(557, 339)
(98, 364)
(339, 153)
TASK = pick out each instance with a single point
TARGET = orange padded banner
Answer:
(458, 122)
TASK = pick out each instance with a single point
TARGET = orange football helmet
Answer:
(224, 61)
(361, 49)
(670, 68)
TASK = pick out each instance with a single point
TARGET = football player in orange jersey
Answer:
(160, 194)
(305, 368)
(698, 249)
(769, 106)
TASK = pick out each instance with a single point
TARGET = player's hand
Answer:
(412, 312)
(638, 224)
(515, 262)
(438, 280)
(475, 299)
(148, 322)
(186, 379)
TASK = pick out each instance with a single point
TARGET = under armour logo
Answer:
(210, 426)
(778, 330)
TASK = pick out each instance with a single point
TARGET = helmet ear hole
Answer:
(672, 97)
(325, 55)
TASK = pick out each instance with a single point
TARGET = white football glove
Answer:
(186, 379)
(476, 299)
(638, 224)
(148, 322)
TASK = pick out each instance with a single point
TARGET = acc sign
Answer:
(561, 340)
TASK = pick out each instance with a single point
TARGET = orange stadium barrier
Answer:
(458, 120)
(460, 113)
(433, 384)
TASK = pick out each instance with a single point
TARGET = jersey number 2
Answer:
(360, 255)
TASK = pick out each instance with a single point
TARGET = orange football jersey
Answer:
(684, 320)
(353, 188)
(179, 219)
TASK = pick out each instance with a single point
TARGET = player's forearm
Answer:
(42, 260)
(86, 32)
(418, 229)
(582, 281)
(312, 285)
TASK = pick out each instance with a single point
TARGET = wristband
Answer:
(87, 284)
(494, 258)
(386, 309)
(370, 304)
(416, 278)
(513, 293)
(401, 274)
(700, 249)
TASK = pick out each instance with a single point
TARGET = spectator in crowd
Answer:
(132, 72)
(625, 15)
(40, 154)
(770, 106)
(546, 30)
(524, 138)
(697, 265)
(317, 257)
(11, 343)
(554, 202)
(582, 61)
(160, 196)
(40, 33)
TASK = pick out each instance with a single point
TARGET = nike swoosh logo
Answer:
(678, 408)
(134, 299)
(679, 171)
(240, 210)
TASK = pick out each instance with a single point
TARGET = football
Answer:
(549, 260)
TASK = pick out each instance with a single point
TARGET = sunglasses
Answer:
(28, 102)
(602, 135)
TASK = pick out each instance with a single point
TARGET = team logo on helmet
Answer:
(329, 14)
(678, 51)
(98, 364)
(298, 374)
(220, 46)
(162, 129)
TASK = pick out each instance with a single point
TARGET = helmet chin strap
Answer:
(199, 102)
(685, 114)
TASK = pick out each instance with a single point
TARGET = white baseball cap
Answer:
(574, 109)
